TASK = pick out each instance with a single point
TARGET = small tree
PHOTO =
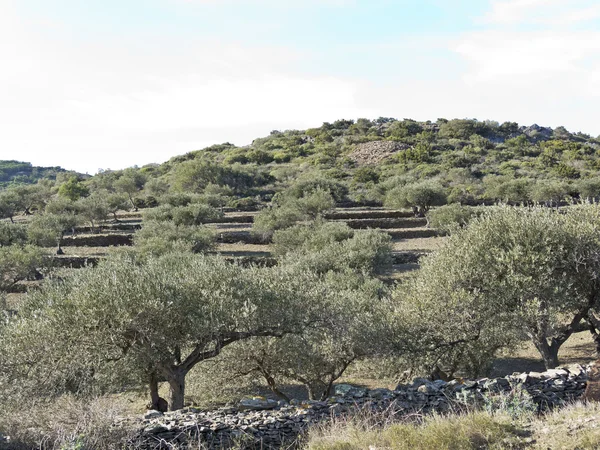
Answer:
(93, 209)
(73, 189)
(158, 238)
(551, 193)
(127, 186)
(154, 320)
(325, 247)
(448, 218)
(589, 189)
(18, 263)
(290, 210)
(12, 234)
(354, 325)
(117, 202)
(10, 203)
(49, 229)
(419, 196)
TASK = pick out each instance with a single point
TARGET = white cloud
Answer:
(119, 104)
(549, 12)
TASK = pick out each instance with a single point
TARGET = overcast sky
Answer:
(115, 83)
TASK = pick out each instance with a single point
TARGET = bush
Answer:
(305, 188)
(66, 423)
(589, 189)
(12, 234)
(323, 247)
(19, 263)
(418, 196)
(194, 214)
(158, 238)
(549, 192)
(291, 210)
(448, 218)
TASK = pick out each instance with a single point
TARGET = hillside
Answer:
(25, 173)
(470, 159)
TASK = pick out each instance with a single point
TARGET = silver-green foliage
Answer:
(18, 263)
(448, 218)
(513, 272)
(192, 214)
(420, 196)
(287, 210)
(354, 324)
(327, 246)
(137, 321)
(12, 234)
(161, 237)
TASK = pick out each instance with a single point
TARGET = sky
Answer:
(109, 84)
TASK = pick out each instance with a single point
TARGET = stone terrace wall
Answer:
(260, 423)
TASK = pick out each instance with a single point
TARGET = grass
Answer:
(67, 423)
(575, 427)
(475, 430)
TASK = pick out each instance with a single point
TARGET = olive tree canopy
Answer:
(514, 271)
(153, 321)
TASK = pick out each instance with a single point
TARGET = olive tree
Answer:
(528, 270)
(288, 210)
(448, 218)
(18, 263)
(10, 204)
(130, 182)
(323, 247)
(354, 325)
(155, 319)
(12, 233)
(192, 214)
(49, 228)
(93, 208)
(116, 202)
(551, 193)
(589, 189)
(158, 238)
(420, 197)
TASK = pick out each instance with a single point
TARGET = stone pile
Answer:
(267, 423)
(374, 152)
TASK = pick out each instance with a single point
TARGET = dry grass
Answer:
(476, 430)
(67, 423)
(574, 427)
(418, 244)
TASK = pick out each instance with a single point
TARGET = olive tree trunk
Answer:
(176, 382)
(549, 352)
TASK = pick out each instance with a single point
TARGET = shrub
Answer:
(323, 247)
(304, 188)
(19, 263)
(589, 189)
(158, 238)
(549, 192)
(418, 196)
(12, 234)
(448, 218)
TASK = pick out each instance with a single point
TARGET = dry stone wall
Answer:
(262, 423)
